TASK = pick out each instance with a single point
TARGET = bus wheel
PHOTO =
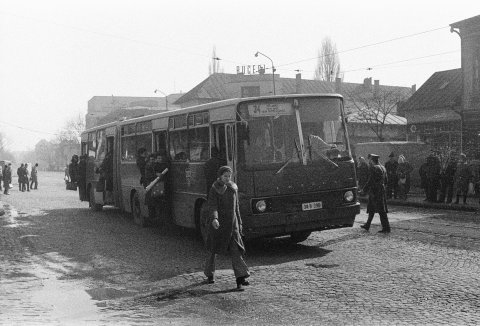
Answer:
(136, 210)
(91, 201)
(299, 236)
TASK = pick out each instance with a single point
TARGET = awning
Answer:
(428, 116)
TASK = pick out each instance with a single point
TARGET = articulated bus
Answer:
(290, 155)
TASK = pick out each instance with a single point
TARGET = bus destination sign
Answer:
(269, 109)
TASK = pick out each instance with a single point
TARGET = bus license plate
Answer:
(311, 206)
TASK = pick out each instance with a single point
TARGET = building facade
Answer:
(469, 32)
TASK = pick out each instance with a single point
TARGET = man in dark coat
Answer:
(432, 175)
(225, 227)
(7, 178)
(375, 188)
(392, 185)
(447, 178)
(20, 178)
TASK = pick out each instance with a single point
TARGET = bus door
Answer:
(224, 140)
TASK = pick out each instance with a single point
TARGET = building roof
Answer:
(475, 20)
(215, 87)
(442, 90)
(429, 116)
(390, 119)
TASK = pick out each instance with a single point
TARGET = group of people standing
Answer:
(442, 181)
(398, 176)
(27, 179)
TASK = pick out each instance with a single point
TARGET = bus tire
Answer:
(91, 201)
(297, 237)
(137, 211)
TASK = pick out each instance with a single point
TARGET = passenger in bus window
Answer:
(225, 227)
(141, 163)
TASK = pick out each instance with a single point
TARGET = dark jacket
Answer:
(375, 187)
(141, 164)
(223, 205)
(7, 175)
(391, 168)
(463, 176)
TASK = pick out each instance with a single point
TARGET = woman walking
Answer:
(225, 227)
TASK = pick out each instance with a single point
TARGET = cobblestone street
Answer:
(62, 264)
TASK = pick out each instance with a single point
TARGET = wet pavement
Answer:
(61, 264)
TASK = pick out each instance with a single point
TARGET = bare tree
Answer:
(72, 130)
(328, 64)
(214, 65)
(374, 106)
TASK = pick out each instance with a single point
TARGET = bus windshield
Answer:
(270, 132)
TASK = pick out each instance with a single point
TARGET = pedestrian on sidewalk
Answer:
(447, 178)
(463, 175)
(225, 227)
(403, 176)
(20, 178)
(7, 178)
(377, 202)
(26, 177)
(392, 181)
(34, 177)
(432, 175)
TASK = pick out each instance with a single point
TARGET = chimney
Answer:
(376, 85)
(338, 85)
(414, 88)
(298, 83)
(367, 82)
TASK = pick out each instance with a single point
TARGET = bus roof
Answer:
(208, 106)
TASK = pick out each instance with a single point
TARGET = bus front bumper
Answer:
(277, 224)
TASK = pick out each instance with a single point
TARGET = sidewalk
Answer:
(417, 200)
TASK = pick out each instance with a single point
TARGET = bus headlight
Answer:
(261, 206)
(348, 196)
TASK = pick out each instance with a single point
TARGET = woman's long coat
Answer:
(377, 199)
(463, 176)
(223, 204)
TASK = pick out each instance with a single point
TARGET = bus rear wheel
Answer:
(299, 236)
(137, 211)
(91, 201)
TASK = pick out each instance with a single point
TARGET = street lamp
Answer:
(273, 68)
(166, 97)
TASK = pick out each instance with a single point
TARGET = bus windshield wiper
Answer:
(283, 166)
(290, 159)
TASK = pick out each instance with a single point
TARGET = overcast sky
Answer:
(56, 55)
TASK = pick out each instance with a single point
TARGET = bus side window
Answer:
(199, 143)
(179, 145)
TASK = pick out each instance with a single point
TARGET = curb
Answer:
(451, 207)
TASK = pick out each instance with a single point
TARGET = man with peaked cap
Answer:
(375, 187)
(392, 185)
